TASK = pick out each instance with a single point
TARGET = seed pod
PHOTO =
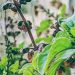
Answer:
(22, 26)
(25, 50)
(10, 33)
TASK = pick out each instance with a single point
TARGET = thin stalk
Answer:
(23, 18)
(6, 39)
(7, 46)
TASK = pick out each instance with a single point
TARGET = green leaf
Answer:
(44, 39)
(62, 10)
(64, 34)
(44, 25)
(52, 70)
(72, 31)
(47, 40)
(27, 69)
(26, 72)
(60, 57)
(69, 22)
(40, 59)
(64, 26)
(21, 46)
(35, 60)
(59, 45)
(14, 67)
(3, 63)
(15, 49)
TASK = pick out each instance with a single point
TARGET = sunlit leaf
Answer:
(59, 45)
(44, 25)
(21, 46)
(40, 59)
(44, 39)
(27, 69)
(72, 31)
(3, 62)
(64, 34)
(14, 67)
(61, 57)
(62, 10)
(69, 22)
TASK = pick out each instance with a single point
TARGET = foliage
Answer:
(44, 25)
(60, 57)
(3, 63)
(52, 56)
(44, 39)
(62, 10)
(60, 48)
(72, 31)
(14, 67)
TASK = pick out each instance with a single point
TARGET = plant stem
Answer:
(7, 49)
(7, 68)
(23, 18)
